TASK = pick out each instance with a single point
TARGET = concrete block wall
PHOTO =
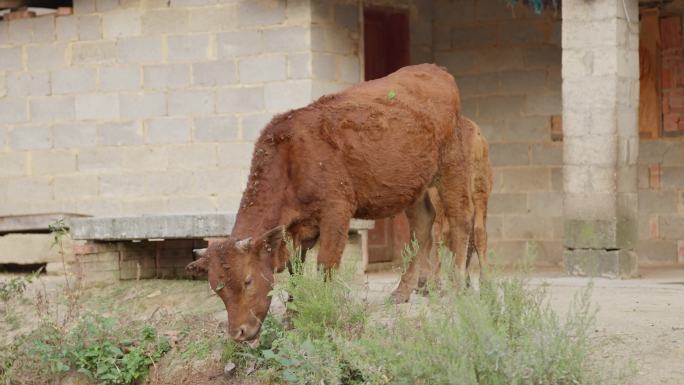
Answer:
(507, 63)
(145, 106)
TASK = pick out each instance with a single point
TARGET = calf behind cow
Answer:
(370, 151)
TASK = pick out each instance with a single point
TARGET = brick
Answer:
(215, 129)
(31, 188)
(73, 80)
(75, 135)
(237, 100)
(548, 154)
(262, 68)
(12, 110)
(97, 106)
(120, 78)
(66, 28)
(507, 203)
(75, 186)
(46, 56)
(100, 52)
(193, 157)
(509, 154)
(10, 59)
(167, 130)
(253, 124)
(13, 163)
(556, 128)
(213, 19)
(191, 102)
(52, 109)
(654, 176)
(526, 179)
(52, 162)
(120, 134)
(239, 43)
(214, 74)
(161, 21)
(99, 160)
(263, 12)
(140, 49)
(286, 39)
(142, 105)
(299, 65)
(235, 154)
(187, 48)
(121, 24)
(549, 204)
(166, 76)
(28, 83)
(280, 97)
(30, 138)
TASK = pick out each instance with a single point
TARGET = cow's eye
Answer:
(248, 280)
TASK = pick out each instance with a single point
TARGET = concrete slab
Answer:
(182, 226)
(31, 223)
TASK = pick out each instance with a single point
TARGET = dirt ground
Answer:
(640, 322)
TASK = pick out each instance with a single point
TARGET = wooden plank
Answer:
(650, 111)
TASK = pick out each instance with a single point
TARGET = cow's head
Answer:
(241, 273)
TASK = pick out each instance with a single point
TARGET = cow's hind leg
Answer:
(421, 215)
(458, 209)
(333, 234)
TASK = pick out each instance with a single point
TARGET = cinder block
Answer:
(75, 186)
(213, 19)
(46, 56)
(609, 264)
(212, 74)
(66, 28)
(494, 227)
(193, 157)
(140, 49)
(511, 203)
(259, 69)
(242, 99)
(550, 154)
(657, 202)
(509, 154)
(162, 21)
(53, 162)
(457, 62)
(20, 31)
(99, 160)
(123, 23)
(89, 27)
(191, 102)
(97, 106)
(73, 80)
(543, 57)
(167, 130)
(672, 177)
(97, 52)
(75, 135)
(12, 110)
(43, 29)
(28, 84)
(527, 227)
(30, 188)
(523, 82)
(142, 105)
(52, 109)
(30, 248)
(253, 124)
(545, 204)
(239, 43)
(656, 251)
(13, 164)
(268, 12)
(544, 104)
(497, 107)
(349, 69)
(347, 16)
(120, 78)
(178, 183)
(526, 179)
(527, 129)
(120, 134)
(671, 227)
(106, 5)
(473, 36)
(166, 76)
(186, 205)
(323, 66)
(298, 12)
(286, 39)
(10, 59)
(123, 185)
(299, 65)
(235, 154)
(187, 48)
(227, 180)
(144, 158)
(215, 129)
(283, 96)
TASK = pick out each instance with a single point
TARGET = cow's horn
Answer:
(243, 245)
(200, 253)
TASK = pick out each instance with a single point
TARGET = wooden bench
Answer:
(160, 246)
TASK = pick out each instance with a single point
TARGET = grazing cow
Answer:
(370, 151)
(472, 237)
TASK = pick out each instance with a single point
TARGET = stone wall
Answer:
(507, 64)
(144, 106)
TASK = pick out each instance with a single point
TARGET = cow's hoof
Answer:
(400, 296)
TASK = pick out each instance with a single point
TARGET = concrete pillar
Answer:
(600, 143)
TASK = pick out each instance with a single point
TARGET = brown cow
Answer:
(473, 237)
(370, 151)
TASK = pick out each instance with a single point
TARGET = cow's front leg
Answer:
(334, 229)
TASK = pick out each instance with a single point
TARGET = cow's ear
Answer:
(200, 266)
(271, 240)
